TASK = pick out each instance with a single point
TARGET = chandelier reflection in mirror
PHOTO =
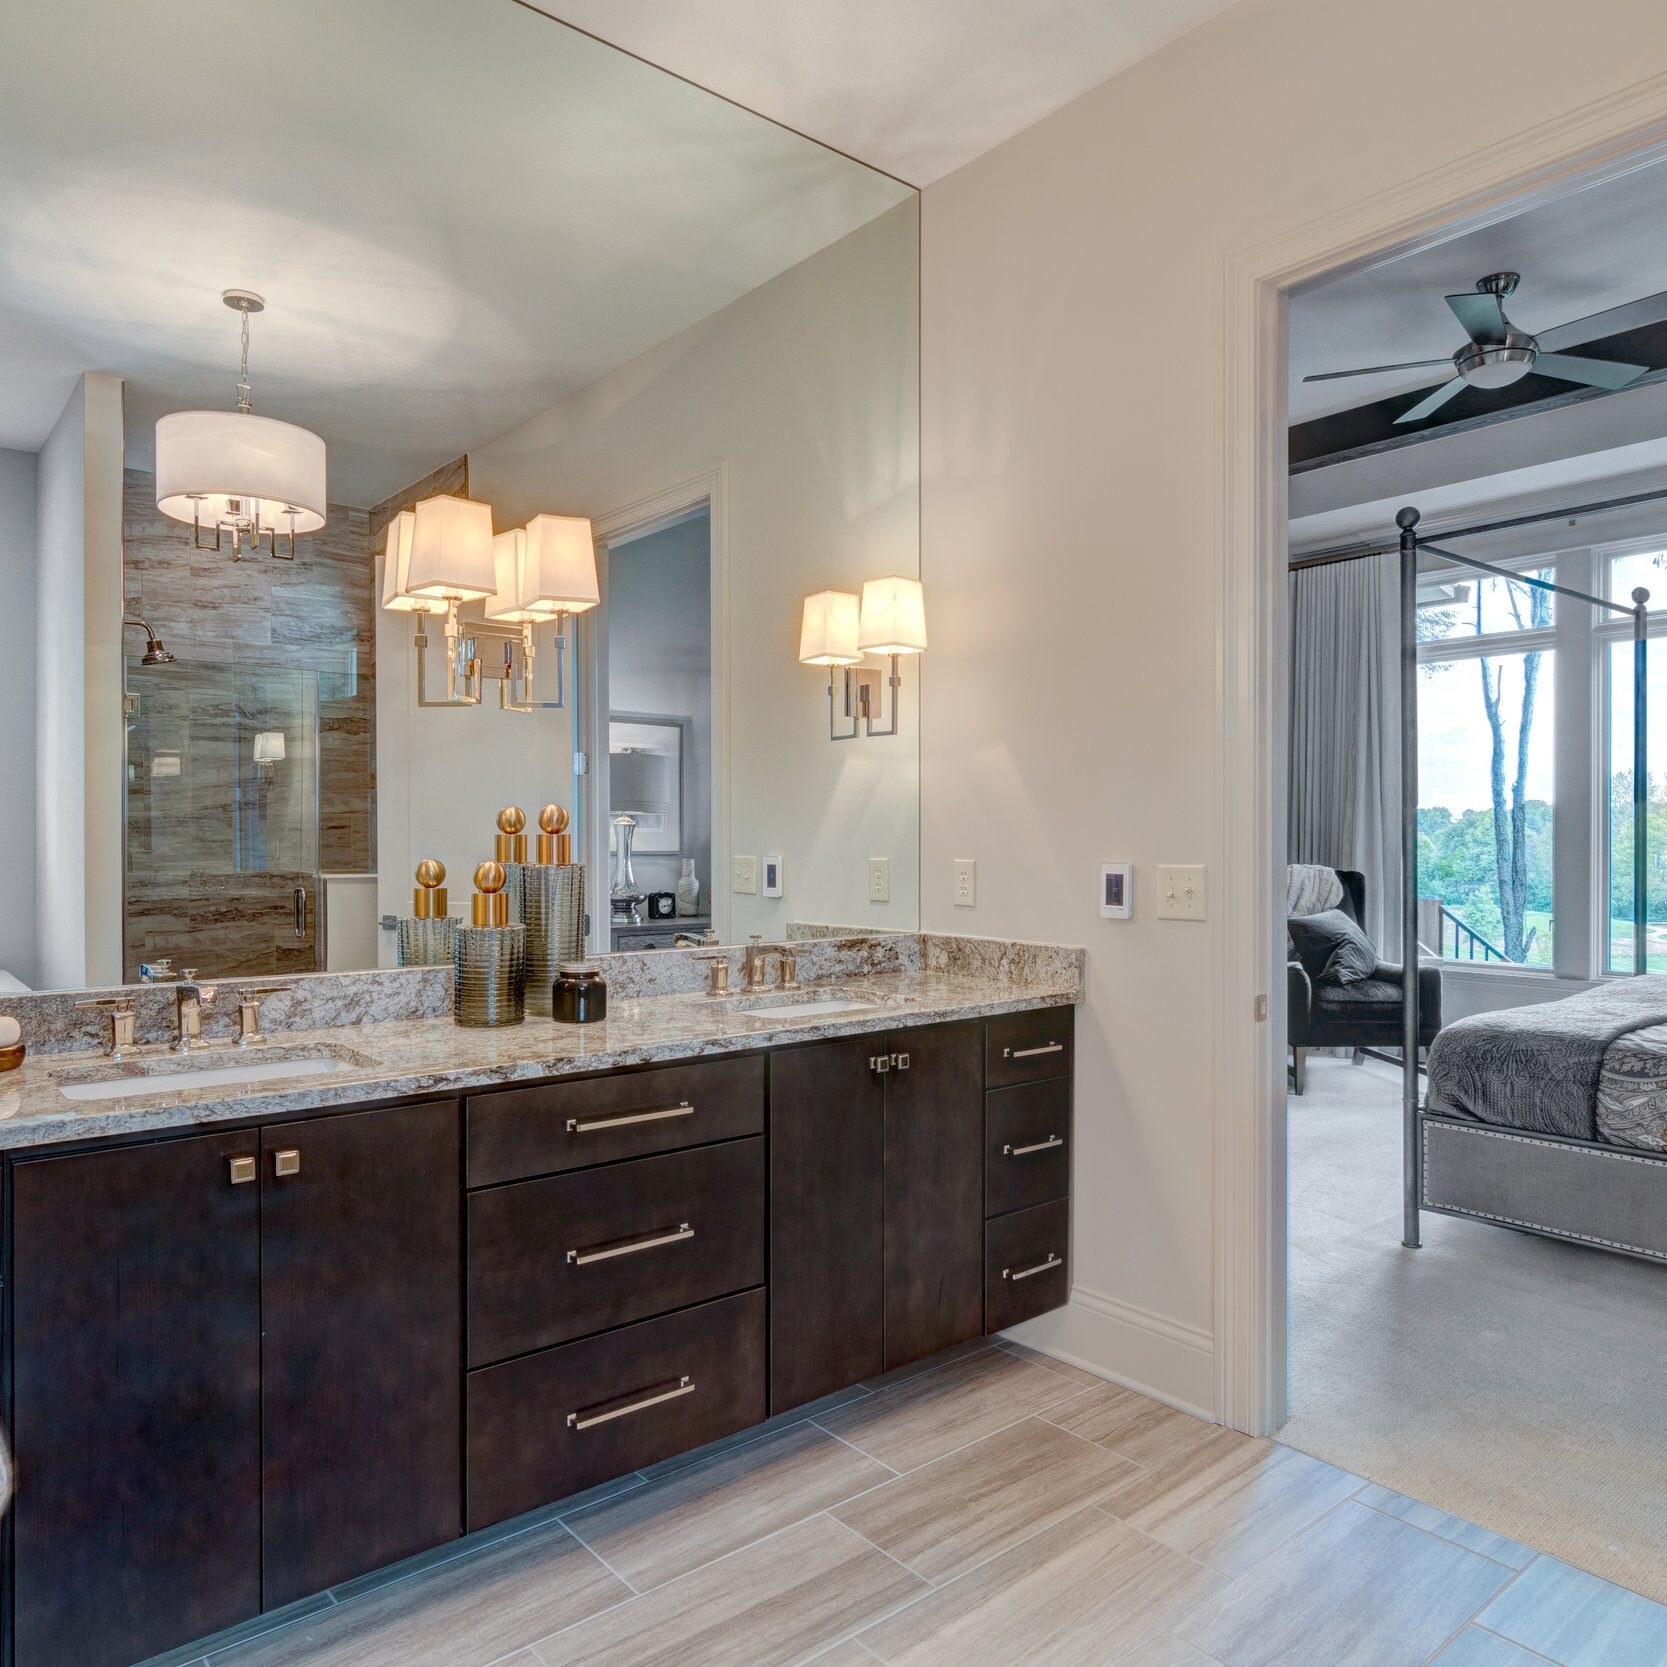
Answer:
(250, 478)
(442, 555)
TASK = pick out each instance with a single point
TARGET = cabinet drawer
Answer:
(549, 1424)
(520, 1132)
(1026, 1047)
(558, 1258)
(1026, 1264)
(1027, 1145)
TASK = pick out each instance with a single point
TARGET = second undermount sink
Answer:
(212, 1068)
(809, 1003)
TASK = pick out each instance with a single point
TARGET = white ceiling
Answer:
(1578, 255)
(458, 212)
(916, 87)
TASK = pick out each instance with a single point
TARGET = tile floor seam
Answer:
(927, 1371)
(895, 1473)
(1163, 1545)
(931, 1585)
(1256, 1563)
(689, 1574)
(1554, 1662)
(584, 1545)
(1106, 1447)
(949, 1453)
(1366, 1504)
(578, 1510)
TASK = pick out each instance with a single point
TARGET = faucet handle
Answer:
(249, 999)
(717, 973)
(120, 1009)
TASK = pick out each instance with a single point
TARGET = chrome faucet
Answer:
(189, 1001)
(755, 965)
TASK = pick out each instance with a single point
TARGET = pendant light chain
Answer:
(243, 379)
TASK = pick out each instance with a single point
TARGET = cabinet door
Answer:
(361, 1277)
(136, 1400)
(934, 1211)
(827, 1197)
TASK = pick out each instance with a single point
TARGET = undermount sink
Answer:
(213, 1068)
(800, 1004)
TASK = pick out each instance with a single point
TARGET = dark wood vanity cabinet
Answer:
(876, 1205)
(248, 1366)
(234, 1375)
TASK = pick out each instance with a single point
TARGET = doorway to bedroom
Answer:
(1517, 399)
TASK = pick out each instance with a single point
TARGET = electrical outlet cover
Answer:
(879, 879)
(965, 894)
(744, 875)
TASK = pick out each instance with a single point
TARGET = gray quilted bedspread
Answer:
(1538, 1067)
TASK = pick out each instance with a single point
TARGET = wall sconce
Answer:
(546, 570)
(442, 554)
(837, 631)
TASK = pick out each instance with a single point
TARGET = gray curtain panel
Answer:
(1345, 774)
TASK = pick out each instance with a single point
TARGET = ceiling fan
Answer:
(1498, 354)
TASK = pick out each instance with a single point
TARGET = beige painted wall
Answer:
(804, 392)
(1073, 412)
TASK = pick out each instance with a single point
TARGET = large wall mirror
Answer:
(505, 302)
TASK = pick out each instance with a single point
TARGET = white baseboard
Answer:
(1130, 1346)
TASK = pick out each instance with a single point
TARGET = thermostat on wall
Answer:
(772, 877)
(1117, 890)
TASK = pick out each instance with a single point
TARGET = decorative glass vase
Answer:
(688, 890)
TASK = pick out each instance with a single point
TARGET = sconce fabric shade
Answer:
(559, 575)
(509, 558)
(893, 617)
(639, 783)
(205, 458)
(269, 746)
(451, 550)
(828, 631)
(396, 569)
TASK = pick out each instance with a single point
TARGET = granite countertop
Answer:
(374, 1061)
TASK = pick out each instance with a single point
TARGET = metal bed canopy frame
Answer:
(1410, 545)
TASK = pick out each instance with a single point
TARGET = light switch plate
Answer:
(966, 883)
(743, 875)
(1117, 890)
(773, 877)
(879, 879)
(1180, 891)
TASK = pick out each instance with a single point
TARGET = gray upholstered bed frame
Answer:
(1581, 1191)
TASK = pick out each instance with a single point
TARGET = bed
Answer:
(1552, 1118)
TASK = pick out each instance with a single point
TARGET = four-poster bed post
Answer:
(1407, 521)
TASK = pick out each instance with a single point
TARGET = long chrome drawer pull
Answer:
(1047, 1145)
(1031, 1053)
(663, 1392)
(584, 1125)
(1040, 1267)
(629, 1247)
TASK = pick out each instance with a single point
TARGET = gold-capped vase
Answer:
(553, 908)
(509, 851)
(489, 966)
(428, 935)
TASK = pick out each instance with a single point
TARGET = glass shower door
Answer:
(222, 818)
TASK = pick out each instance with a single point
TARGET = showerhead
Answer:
(155, 654)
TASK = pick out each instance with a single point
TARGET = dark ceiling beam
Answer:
(1370, 430)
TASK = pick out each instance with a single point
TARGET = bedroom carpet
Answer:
(1510, 1380)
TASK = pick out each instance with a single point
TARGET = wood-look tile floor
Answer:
(993, 1508)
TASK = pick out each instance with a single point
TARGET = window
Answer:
(1487, 768)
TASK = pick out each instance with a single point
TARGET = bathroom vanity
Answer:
(253, 1356)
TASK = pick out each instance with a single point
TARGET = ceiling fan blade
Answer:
(1595, 373)
(1373, 370)
(1482, 315)
(1431, 403)
(1634, 315)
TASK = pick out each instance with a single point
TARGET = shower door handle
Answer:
(300, 911)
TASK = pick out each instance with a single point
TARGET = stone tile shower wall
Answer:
(216, 843)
